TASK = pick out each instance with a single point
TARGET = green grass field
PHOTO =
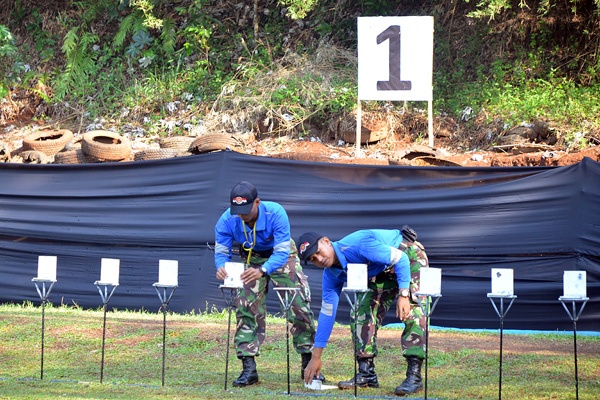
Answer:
(462, 365)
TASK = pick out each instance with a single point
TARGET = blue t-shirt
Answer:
(272, 233)
(378, 248)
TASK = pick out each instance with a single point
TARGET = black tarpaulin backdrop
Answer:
(538, 221)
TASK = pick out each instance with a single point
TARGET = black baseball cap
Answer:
(242, 197)
(308, 244)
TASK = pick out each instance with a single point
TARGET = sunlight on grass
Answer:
(195, 359)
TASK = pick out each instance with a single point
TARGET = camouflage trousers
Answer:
(251, 309)
(382, 294)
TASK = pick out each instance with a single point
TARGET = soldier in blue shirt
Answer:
(262, 230)
(389, 256)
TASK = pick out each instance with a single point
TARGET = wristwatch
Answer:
(404, 293)
(263, 270)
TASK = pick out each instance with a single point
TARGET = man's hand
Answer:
(250, 275)
(314, 366)
(402, 308)
(221, 273)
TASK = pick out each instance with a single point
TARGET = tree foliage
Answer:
(7, 49)
(92, 49)
(493, 8)
(298, 9)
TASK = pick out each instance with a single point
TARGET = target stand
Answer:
(106, 291)
(358, 295)
(501, 311)
(427, 303)
(43, 292)
(287, 299)
(574, 315)
(229, 303)
(165, 293)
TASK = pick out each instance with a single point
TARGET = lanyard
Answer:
(252, 244)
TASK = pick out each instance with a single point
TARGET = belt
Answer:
(256, 253)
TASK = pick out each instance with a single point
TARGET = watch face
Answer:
(404, 293)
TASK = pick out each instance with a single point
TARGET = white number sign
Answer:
(395, 58)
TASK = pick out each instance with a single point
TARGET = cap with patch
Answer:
(242, 197)
(308, 244)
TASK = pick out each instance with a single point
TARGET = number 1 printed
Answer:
(392, 33)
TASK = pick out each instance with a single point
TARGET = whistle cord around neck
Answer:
(252, 244)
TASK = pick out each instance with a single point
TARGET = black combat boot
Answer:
(413, 382)
(305, 360)
(365, 376)
(249, 375)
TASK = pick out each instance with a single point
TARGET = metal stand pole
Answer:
(501, 313)
(574, 317)
(165, 298)
(354, 304)
(105, 295)
(229, 301)
(286, 303)
(43, 293)
(427, 309)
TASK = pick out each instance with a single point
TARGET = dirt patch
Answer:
(398, 152)
(444, 341)
(511, 343)
(452, 146)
